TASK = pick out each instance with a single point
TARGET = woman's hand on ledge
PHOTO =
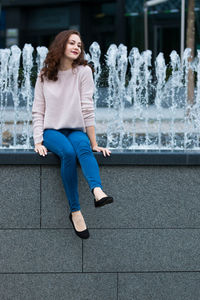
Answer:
(105, 151)
(39, 148)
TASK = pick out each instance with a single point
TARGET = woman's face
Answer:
(73, 47)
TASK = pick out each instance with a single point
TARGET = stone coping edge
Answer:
(118, 157)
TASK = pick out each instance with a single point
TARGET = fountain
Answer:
(150, 234)
(140, 105)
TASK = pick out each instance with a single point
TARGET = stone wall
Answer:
(145, 245)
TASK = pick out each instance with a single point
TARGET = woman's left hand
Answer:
(101, 149)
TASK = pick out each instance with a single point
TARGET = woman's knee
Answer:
(84, 148)
(67, 153)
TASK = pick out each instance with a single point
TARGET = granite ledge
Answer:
(118, 157)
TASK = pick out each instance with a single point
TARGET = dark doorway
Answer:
(166, 39)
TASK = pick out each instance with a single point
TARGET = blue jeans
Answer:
(69, 145)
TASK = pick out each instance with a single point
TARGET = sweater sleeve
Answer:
(87, 90)
(38, 111)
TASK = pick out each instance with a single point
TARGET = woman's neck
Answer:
(65, 64)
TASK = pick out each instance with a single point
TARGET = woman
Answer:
(63, 120)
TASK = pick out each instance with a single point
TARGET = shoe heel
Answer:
(103, 201)
(82, 234)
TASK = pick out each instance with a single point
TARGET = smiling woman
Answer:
(72, 51)
(66, 51)
(63, 120)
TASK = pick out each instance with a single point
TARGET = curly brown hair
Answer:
(56, 51)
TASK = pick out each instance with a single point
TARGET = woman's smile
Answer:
(75, 52)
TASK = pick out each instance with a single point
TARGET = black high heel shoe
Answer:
(82, 234)
(102, 201)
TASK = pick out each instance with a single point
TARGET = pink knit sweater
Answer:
(65, 103)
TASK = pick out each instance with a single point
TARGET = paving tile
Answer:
(142, 250)
(40, 251)
(20, 196)
(160, 286)
(58, 286)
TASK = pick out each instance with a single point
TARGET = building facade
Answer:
(38, 21)
(104, 21)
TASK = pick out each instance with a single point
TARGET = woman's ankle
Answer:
(98, 193)
(76, 212)
(96, 189)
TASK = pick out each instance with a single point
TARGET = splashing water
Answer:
(140, 105)
(95, 57)
(4, 57)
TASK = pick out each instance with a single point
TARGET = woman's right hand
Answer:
(39, 148)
